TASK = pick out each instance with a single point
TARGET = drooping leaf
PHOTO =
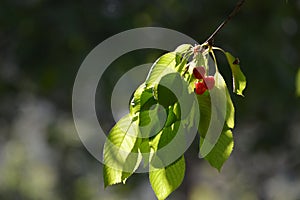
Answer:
(204, 103)
(160, 88)
(222, 149)
(164, 136)
(165, 180)
(151, 121)
(169, 89)
(121, 151)
(132, 161)
(214, 111)
(239, 79)
(182, 121)
(176, 138)
(230, 112)
(146, 151)
(173, 114)
(140, 97)
(216, 148)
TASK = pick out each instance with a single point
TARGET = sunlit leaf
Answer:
(216, 155)
(121, 152)
(239, 79)
(205, 113)
(181, 114)
(184, 48)
(165, 180)
(222, 149)
(230, 113)
(162, 66)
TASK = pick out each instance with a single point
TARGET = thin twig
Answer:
(229, 17)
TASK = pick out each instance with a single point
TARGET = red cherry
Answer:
(200, 87)
(209, 82)
(199, 72)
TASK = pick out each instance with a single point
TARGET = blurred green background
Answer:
(42, 45)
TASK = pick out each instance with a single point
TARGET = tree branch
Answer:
(229, 17)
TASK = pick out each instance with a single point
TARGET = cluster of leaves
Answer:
(164, 112)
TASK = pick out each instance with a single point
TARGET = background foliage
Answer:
(42, 44)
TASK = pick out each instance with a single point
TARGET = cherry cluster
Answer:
(204, 82)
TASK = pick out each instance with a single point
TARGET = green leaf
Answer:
(151, 121)
(239, 79)
(204, 103)
(164, 65)
(145, 149)
(165, 180)
(150, 116)
(164, 136)
(222, 149)
(169, 89)
(182, 121)
(172, 115)
(230, 112)
(120, 154)
(141, 96)
(184, 48)
(298, 83)
(212, 105)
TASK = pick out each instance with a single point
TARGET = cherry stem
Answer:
(229, 17)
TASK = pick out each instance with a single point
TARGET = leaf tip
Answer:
(240, 94)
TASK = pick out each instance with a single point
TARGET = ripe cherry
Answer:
(209, 82)
(200, 87)
(199, 72)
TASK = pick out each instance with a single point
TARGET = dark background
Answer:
(42, 45)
